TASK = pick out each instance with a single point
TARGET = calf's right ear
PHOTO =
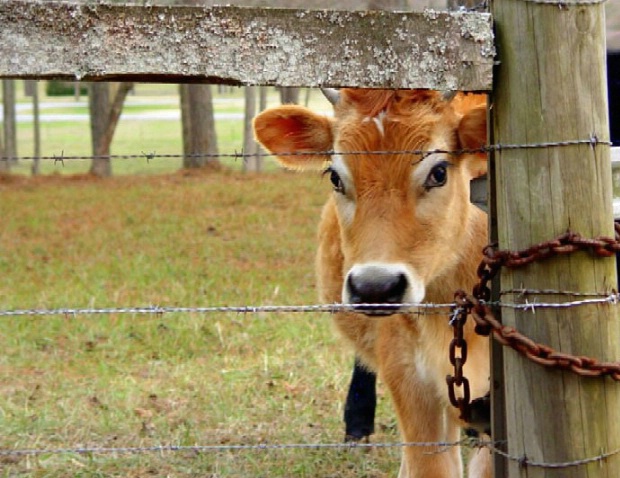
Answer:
(299, 138)
(472, 134)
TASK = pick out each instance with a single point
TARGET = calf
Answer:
(398, 228)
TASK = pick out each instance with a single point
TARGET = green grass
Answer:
(200, 239)
(155, 236)
(133, 138)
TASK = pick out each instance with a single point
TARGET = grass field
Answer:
(201, 239)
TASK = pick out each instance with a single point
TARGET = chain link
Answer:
(458, 344)
(477, 304)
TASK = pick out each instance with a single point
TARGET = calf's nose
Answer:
(376, 287)
(382, 284)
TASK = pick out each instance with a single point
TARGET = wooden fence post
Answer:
(550, 87)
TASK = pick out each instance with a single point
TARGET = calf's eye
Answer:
(438, 176)
(335, 180)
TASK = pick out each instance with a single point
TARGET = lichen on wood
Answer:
(246, 46)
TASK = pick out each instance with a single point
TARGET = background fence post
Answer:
(550, 86)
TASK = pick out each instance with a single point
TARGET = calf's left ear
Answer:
(472, 134)
(289, 130)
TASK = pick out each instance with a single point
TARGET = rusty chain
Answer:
(476, 304)
(458, 343)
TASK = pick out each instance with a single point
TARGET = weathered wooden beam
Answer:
(551, 87)
(245, 46)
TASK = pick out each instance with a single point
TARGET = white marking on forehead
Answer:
(378, 120)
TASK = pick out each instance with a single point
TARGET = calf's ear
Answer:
(472, 134)
(288, 130)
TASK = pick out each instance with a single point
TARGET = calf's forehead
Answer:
(391, 142)
(368, 120)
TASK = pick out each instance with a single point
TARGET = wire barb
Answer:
(60, 159)
(148, 156)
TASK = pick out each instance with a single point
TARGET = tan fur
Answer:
(472, 108)
(437, 233)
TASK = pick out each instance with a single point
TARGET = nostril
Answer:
(398, 289)
(355, 289)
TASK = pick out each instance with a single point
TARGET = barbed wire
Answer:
(426, 308)
(593, 141)
(231, 447)
(524, 461)
(610, 299)
(245, 309)
(419, 309)
(469, 442)
(522, 292)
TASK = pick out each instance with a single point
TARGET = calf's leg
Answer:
(422, 414)
(359, 410)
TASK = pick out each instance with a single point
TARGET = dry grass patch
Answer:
(202, 239)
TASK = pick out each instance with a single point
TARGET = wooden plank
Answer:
(245, 46)
(554, 416)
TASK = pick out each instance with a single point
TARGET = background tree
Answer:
(251, 161)
(198, 126)
(4, 164)
(10, 122)
(104, 116)
(289, 95)
(31, 88)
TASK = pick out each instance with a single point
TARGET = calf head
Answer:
(402, 201)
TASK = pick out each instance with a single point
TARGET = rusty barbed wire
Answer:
(593, 141)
